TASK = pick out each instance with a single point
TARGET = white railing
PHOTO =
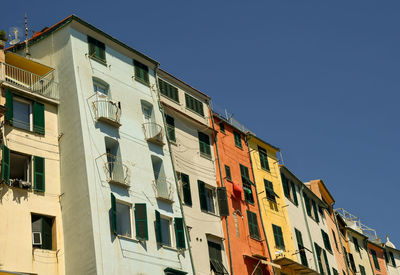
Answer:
(163, 189)
(153, 132)
(43, 85)
(106, 109)
(116, 171)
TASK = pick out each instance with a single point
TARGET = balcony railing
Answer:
(163, 189)
(153, 133)
(42, 85)
(108, 111)
(116, 171)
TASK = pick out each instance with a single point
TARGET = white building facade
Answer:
(120, 204)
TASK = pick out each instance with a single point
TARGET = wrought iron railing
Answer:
(106, 109)
(163, 189)
(116, 171)
(153, 132)
(42, 85)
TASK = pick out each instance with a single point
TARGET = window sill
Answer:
(167, 247)
(142, 81)
(25, 130)
(258, 239)
(210, 213)
(99, 60)
(131, 239)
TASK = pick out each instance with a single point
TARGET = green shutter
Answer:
(318, 252)
(113, 214)
(187, 195)
(238, 139)
(375, 258)
(141, 221)
(307, 203)
(253, 225)
(285, 186)
(294, 193)
(279, 242)
(39, 178)
(263, 158)
(362, 270)
(204, 143)
(392, 258)
(327, 263)
(202, 195)
(315, 210)
(38, 118)
(228, 172)
(352, 264)
(141, 72)
(327, 242)
(303, 256)
(222, 202)
(47, 224)
(5, 164)
(9, 106)
(335, 272)
(158, 227)
(179, 233)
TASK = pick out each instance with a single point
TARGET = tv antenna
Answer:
(26, 36)
(14, 39)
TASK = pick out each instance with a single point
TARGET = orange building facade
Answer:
(243, 229)
(375, 252)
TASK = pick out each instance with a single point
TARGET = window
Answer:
(115, 170)
(222, 202)
(238, 139)
(392, 258)
(334, 238)
(20, 170)
(97, 49)
(206, 195)
(352, 264)
(253, 225)
(170, 128)
(311, 207)
(38, 174)
(279, 242)
(187, 195)
(141, 72)
(204, 143)
(228, 173)
(194, 104)
(22, 114)
(301, 248)
(160, 179)
(356, 245)
(375, 259)
(322, 260)
(141, 221)
(179, 233)
(269, 190)
(216, 264)
(163, 230)
(327, 242)
(42, 232)
(222, 127)
(263, 158)
(289, 189)
(248, 193)
(335, 272)
(362, 270)
(123, 219)
(168, 90)
(100, 89)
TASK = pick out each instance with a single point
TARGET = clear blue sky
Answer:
(319, 79)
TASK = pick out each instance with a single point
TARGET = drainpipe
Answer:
(175, 176)
(308, 228)
(222, 183)
(340, 239)
(258, 202)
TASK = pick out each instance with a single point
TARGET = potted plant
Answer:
(3, 38)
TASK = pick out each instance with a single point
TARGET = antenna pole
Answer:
(26, 36)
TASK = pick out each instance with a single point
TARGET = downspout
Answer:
(308, 228)
(258, 201)
(340, 239)
(222, 183)
(173, 167)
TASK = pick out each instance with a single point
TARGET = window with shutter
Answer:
(204, 143)
(38, 118)
(318, 251)
(269, 190)
(303, 256)
(314, 206)
(97, 50)
(141, 72)
(327, 242)
(170, 128)
(263, 158)
(202, 195)
(307, 203)
(328, 270)
(253, 225)
(5, 164)
(39, 176)
(294, 195)
(42, 231)
(168, 90)
(375, 259)
(113, 213)
(158, 227)
(278, 236)
(285, 186)
(362, 270)
(222, 127)
(141, 221)
(187, 195)
(334, 238)
(356, 245)
(392, 258)
(194, 104)
(228, 173)
(352, 264)
(248, 193)
(179, 233)
(216, 264)
(9, 106)
(222, 202)
(238, 139)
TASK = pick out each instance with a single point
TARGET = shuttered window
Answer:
(168, 90)
(314, 206)
(5, 164)
(335, 272)
(356, 245)
(179, 233)
(44, 226)
(222, 127)
(303, 256)
(194, 104)
(141, 221)
(269, 190)
(38, 174)
(170, 128)
(228, 173)
(285, 186)
(335, 240)
(238, 139)
(253, 225)
(248, 193)
(352, 264)
(294, 194)
(38, 118)
(222, 202)
(204, 143)
(9, 106)
(326, 262)
(113, 213)
(141, 72)
(97, 49)
(278, 236)
(216, 264)
(318, 251)
(362, 270)
(307, 203)
(202, 195)
(263, 158)
(392, 258)
(375, 259)
(327, 242)
(187, 195)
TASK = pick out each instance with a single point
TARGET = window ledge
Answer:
(101, 61)
(169, 247)
(25, 130)
(129, 238)
(142, 81)
(210, 213)
(256, 239)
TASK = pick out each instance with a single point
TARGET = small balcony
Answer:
(116, 171)
(29, 76)
(107, 111)
(153, 133)
(163, 189)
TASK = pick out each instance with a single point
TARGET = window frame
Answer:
(170, 128)
(24, 101)
(29, 170)
(193, 104)
(237, 136)
(205, 145)
(141, 72)
(171, 236)
(278, 238)
(228, 174)
(102, 49)
(169, 91)
(252, 223)
(222, 127)
(52, 229)
(245, 176)
(132, 233)
(263, 155)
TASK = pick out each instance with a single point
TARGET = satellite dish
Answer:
(14, 34)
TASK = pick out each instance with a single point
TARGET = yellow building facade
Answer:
(272, 203)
